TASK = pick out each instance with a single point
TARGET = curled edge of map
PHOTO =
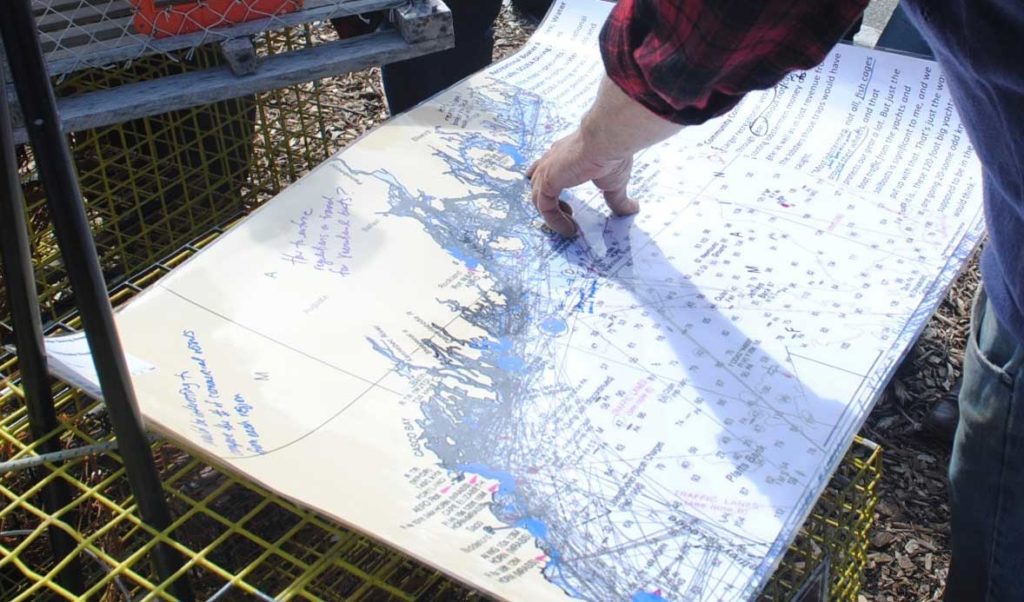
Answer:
(70, 359)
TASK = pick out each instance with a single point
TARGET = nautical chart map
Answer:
(647, 412)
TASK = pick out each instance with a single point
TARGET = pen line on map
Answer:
(741, 382)
(317, 427)
(826, 364)
(277, 342)
(709, 416)
(666, 500)
(796, 380)
(864, 135)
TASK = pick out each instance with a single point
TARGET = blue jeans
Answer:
(900, 34)
(986, 471)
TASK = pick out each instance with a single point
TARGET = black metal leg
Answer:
(28, 338)
(56, 170)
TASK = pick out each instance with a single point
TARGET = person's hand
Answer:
(571, 162)
(601, 150)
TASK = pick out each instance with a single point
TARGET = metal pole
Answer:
(28, 340)
(56, 457)
(56, 170)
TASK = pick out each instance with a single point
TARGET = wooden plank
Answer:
(131, 101)
(91, 13)
(107, 52)
(240, 55)
(78, 38)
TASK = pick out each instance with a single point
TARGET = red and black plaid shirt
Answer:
(691, 60)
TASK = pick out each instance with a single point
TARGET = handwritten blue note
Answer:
(220, 421)
(321, 237)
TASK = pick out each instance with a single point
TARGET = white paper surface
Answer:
(70, 357)
(648, 412)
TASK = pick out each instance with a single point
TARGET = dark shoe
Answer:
(941, 421)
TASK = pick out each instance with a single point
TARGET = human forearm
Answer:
(691, 60)
(616, 126)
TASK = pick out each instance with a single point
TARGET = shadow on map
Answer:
(771, 432)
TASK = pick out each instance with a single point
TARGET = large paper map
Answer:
(646, 412)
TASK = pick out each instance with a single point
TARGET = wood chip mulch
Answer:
(909, 554)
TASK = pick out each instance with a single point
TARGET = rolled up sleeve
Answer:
(691, 60)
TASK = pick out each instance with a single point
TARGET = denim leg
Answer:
(986, 471)
(900, 34)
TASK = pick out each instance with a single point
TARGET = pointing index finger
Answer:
(556, 213)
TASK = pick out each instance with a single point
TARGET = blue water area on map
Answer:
(553, 571)
(553, 567)
(511, 363)
(470, 261)
(647, 597)
(507, 484)
(499, 357)
(499, 344)
(535, 527)
(512, 151)
(553, 325)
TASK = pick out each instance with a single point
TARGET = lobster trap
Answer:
(81, 34)
(150, 185)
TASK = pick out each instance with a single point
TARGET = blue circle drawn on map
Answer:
(553, 325)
